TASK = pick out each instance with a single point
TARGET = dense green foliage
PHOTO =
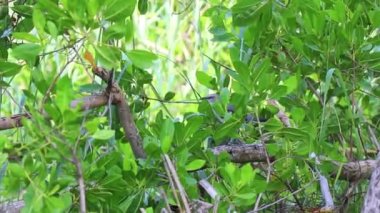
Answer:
(319, 59)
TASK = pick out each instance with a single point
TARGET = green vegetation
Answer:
(296, 81)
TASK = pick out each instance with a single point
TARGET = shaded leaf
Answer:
(169, 96)
(8, 69)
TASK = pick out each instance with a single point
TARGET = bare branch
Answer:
(51, 86)
(13, 121)
(129, 127)
(85, 103)
(12, 206)
(325, 189)
(80, 180)
(243, 153)
(177, 183)
(372, 198)
(125, 115)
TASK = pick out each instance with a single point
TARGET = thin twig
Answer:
(80, 180)
(83, 63)
(286, 122)
(178, 184)
(166, 200)
(55, 81)
(62, 48)
(158, 97)
(172, 185)
(284, 198)
(173, 102)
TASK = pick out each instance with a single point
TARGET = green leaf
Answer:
(291, 83)
(278, 92)
(118, 10)
(141, 58)
(169, 96)
(375, 17)
(206, 80)
(246, 196)
(16, 170)
(27, 52)
(260, 69)
(92, 7)
(52, 29)
(64, 93)
(3, 83)
(298, 114)
(195, 165)
(294, 134)
(54, 204)
(108, 56)
(227, 128)
(249, 12)
(39, 20)
(104, 134)
(224, 96)
(193, 124)
(326, 87)
(23, 10)
(8, 69)
(247, 174)
(116, 31)
(166, 135)
(25, 25)
(25, 36)
(273, 125)
(143, 6)
(129, 163)
(52, 9)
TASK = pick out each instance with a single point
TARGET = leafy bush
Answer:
(296, 80)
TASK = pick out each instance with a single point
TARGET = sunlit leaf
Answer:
(39, 20)
(206, 80)
(104, 134)
(195, 165)
(116, 10)
(26, 52)
(166, 135)
(142, 58)
(108, 56)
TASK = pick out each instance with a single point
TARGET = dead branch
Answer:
(89, 102)
(356, 170)
(12, 206)
(325, 189)
(177, 184)
(243, 153)
(372, 198)
(13, 121)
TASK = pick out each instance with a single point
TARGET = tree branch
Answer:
(86, 103)
(125, 115)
